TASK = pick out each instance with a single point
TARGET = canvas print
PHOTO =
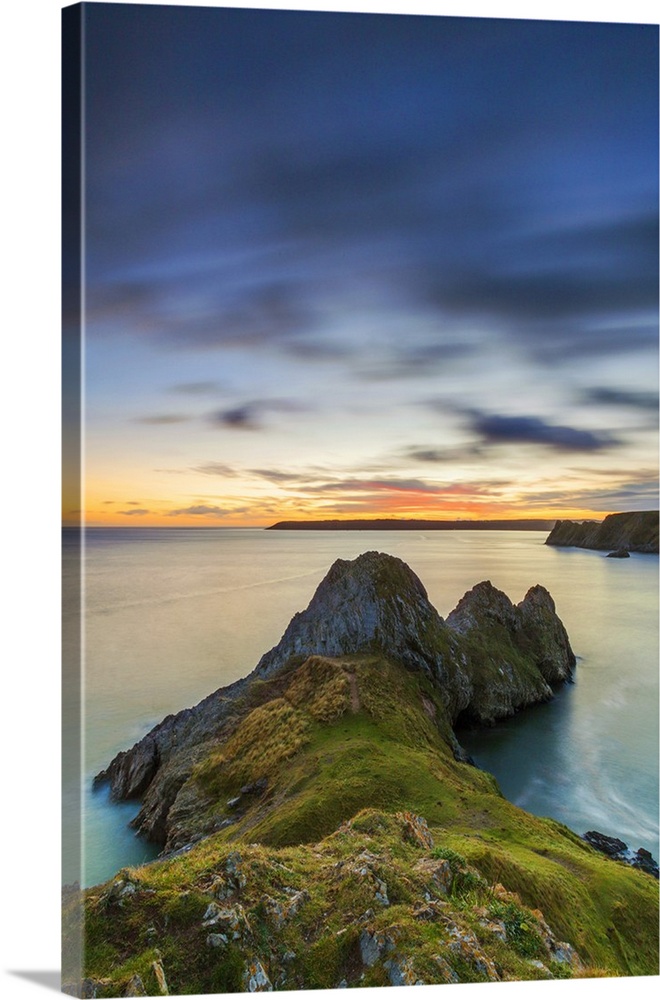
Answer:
(361, 503)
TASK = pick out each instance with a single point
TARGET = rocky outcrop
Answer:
(618, 850)
(515, 653)
(339, 933)
(374, 602)
(634, 531)
(487, 660)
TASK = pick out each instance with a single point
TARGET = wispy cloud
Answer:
(215, 469)
(635, 399)
(196, 388)
(402, 486)
(628, 495)
(162, 418)
(200, 510)
(135, 511)
(276, 476)
(417, 359)
(442, 456)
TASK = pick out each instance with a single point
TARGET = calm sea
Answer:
(172, 614)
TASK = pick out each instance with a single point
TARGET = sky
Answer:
(359, 265)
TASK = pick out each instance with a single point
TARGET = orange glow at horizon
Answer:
(258, 517)
(262, 497)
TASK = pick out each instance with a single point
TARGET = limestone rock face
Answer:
(134, 770)
(515, 653)
(633, 531)
(372, 602)
(545, 637)
(482, 606)
(488, 659)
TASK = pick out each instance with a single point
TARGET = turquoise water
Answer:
(172, 614)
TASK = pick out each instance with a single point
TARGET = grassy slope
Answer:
(336, 737)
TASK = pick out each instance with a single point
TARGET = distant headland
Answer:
(413, 524)
(631, 531)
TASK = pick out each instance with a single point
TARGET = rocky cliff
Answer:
(486, 661)
(634, 531)
(321, 830)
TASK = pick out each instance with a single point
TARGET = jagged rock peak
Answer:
(532, 625)
(385, 573)
(538, 597)
(372, 602)
(483, 603)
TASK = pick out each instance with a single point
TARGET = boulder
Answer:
(611, 846)
(256, 978)
(135, 987)
(644, 860)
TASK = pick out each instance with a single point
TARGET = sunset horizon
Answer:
(367, 274)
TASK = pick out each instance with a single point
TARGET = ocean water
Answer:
(169, 615)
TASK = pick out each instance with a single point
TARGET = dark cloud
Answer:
(138, 511)
(635, 399)
(498, 429)
(279, 161)
(214, 309)
(258, 181)
(350, 192)
(250, 415)
(246, 417)
(546, 296)
(589, 271)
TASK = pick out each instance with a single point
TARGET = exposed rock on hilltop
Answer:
(377, 903)
(634, 531)
(489, 659)
(372, 602)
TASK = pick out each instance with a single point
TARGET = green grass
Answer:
(345, 745)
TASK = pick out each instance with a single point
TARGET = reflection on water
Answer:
(171, 615)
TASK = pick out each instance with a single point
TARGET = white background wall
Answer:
(29, 471)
